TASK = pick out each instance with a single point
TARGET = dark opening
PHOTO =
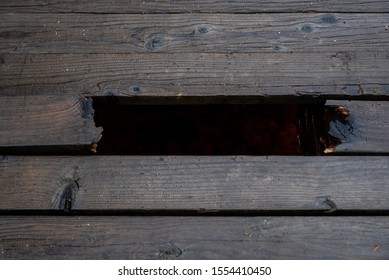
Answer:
(198, 129)
(212, 129)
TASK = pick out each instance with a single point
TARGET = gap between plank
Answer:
(218, 213)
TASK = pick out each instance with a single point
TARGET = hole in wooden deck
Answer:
(211, 129)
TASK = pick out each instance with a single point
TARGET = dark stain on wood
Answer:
(155, 43)
(329, 18)
(135, 90)
(307, 28)
(14, 34)
(72, 186)
(67, 198)
(203, 29)
(4, 158)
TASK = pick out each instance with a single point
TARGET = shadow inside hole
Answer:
(227, 129)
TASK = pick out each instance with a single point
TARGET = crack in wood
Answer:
(71, 181)
(67, 198)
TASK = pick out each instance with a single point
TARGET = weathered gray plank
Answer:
(40, 121)
(194, 183)
(38, 237)
(367, 130)
(204, 74)
(86, 33)
(202, 6)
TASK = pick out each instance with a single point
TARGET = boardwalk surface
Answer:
(59, 200)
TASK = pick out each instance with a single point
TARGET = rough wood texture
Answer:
(178, 75)
(41, 121)
(197, 6)
(194, 237)
(367, 129)
(258, 33)
(54, 52)
(194, 183)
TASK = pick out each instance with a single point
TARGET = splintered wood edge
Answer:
(47, 121)
(360, 127)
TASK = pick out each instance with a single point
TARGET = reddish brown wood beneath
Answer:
(198, 129)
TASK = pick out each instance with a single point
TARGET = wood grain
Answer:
(53, 53)
(330, 74)
(195, 183)
(367, 129)
(206, 33)
(197, 6)
(46, 121)
(179, 238)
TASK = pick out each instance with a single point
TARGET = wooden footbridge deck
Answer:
(99, 101)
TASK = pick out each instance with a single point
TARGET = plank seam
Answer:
(194, 213)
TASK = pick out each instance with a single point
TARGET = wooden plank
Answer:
(39, 237)
(197, 6)
(41, 122)
(367, 128)
(194, 183)
(90, 33)
(330, 74)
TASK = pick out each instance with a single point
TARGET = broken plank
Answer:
(197, 6)
(366, 131)
(179, 238)
(277, 33)
(296, 75)
(46, 123)
(194, 183)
